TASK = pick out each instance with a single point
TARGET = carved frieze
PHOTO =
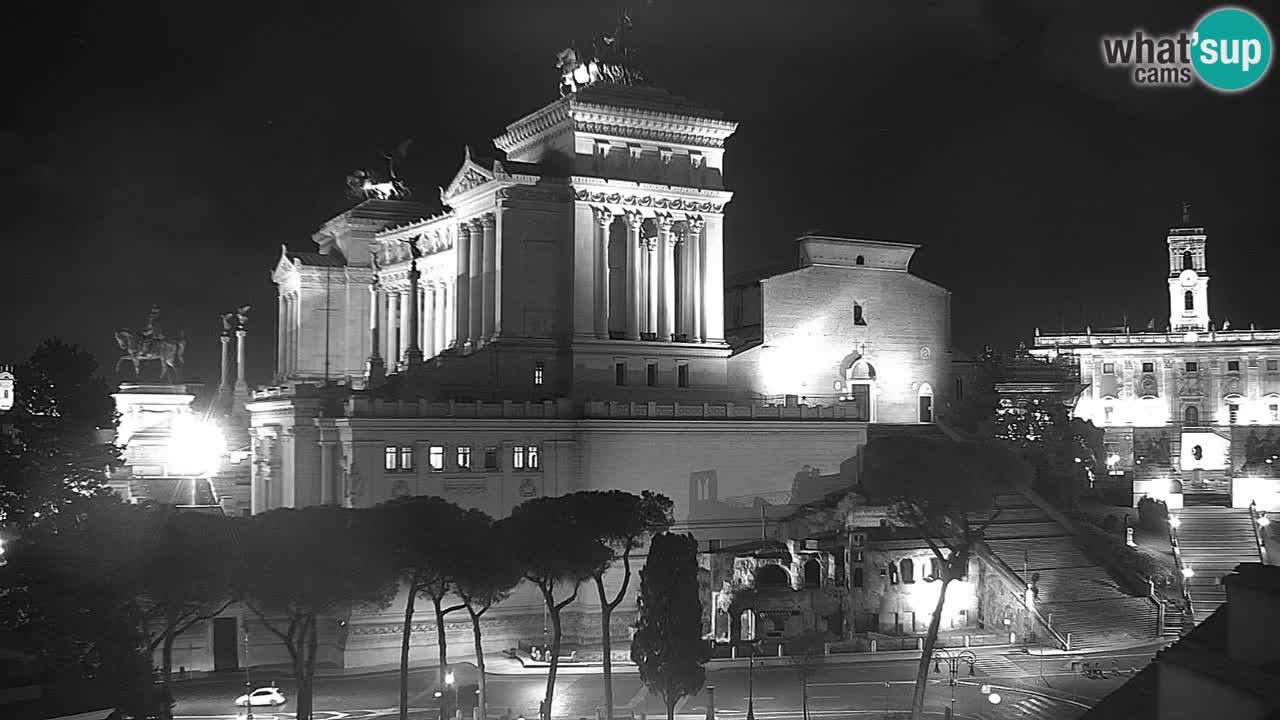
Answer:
(464, 487)
(648, 201)
(645, 133)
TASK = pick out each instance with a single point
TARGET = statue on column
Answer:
(151, 344)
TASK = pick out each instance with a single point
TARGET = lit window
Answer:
(491, 458)
(389, 458)
(517, 457)
(1233, 366)
(1108, 368)
(620, 373)
(533, 457)
(538, 369)
(1273, 365)
(651, 374)
(1274, 411)
(1148, 367)
(1193, 366)
(682, 375)
(435, 458)
(464, 457)
(406, 458)
(1233, 413)
(1107, 412)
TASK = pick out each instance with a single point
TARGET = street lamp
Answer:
(751, 668)
(448, 681)
(248, 687)
(953, 661)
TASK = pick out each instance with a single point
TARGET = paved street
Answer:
(1030, 687)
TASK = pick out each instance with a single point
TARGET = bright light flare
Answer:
(1175, 522)
(196, 446)
(1187, 572)
(1263, 521)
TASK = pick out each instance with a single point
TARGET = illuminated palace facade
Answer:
(1192, 411)
(559, 324)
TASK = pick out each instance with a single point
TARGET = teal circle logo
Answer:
(1231, 49)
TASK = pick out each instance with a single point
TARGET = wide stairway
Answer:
(1212, 541)
(1078, 598)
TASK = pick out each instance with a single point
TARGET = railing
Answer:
(717, 411)
(1064, 642)
(1256, 519)
(1177, 557)
(364, 406)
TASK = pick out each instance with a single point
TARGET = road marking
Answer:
(1034, 707)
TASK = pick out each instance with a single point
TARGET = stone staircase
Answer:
(1212, 541)
(1078, 598)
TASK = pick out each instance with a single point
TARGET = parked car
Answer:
(267, 696)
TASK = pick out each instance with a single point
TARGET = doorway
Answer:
(226, 651)
(925, 402)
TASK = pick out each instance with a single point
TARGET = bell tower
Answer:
(1188, 276)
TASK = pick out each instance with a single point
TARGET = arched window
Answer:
(908, 570)
(857, 315)
(1191, 415)
(1188, 261)
(771, 576)
(1188, 300)
(935, 569)
(857, 577)
(859, 261)
(812, 574)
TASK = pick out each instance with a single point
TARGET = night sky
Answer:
(162, 153)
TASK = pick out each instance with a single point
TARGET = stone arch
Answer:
(1188, 261)
(861, 370)
(1188, 301)
(860, 260)
(1191, 415)
(772, 576)
(813, 573)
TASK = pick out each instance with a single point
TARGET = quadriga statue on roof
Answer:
(151, 344)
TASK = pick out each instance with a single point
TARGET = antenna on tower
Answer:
(1186, 212)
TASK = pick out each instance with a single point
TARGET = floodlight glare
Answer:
(196, 446)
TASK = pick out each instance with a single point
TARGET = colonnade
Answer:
(669, 280)
(390, 315)
(290, 322)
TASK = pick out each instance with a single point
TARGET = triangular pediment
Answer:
(284, 266)
(471, 175)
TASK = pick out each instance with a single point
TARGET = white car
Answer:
(268, 696)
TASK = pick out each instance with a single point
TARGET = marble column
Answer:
(412, 320)
(604, 220)
(490, 311)
(293, 333)
(666, 278)
(475, 329)
(406, 324)
(462, 285)
(450, 314)
(698, 329)
(653, 288)
(633, 220)
(393, 328)
(225, 385)
(242, 387)
(713, 279)
(328, 483)
(374, 370)
(430, 346)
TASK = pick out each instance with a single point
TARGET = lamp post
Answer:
(751, 669)
(248, 686)
(449, 682)
(953, 661)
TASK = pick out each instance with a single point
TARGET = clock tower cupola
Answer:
(1188, 276)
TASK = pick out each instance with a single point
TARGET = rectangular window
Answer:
(855, 556)
(682, 375)
(620, 374)
(464, 457)
(1148, 367)
(1107, 413)
(1192, 366)
(517, 457)
(533, 458)
(1233, 413)
(435, 458)
(491, 458)
(959, 389)
(1108, 368)
(406, 458)
(1273, 365)
(538, 369)
(1274, 411)
(1233, 366)
(389, 458)
(651, 374)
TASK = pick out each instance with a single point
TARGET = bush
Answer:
(1153, 514)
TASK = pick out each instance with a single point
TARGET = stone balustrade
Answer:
(714, 411)
(1151, 338)
(364, 406)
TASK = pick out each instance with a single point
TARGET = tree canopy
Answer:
(668, 645)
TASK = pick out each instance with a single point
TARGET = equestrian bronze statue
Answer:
(151, 344)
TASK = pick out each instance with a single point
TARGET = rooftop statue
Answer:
(151, 344)
(237, 319)
(612, 60)
(366, 185)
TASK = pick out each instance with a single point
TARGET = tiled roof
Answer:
(318, 260)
